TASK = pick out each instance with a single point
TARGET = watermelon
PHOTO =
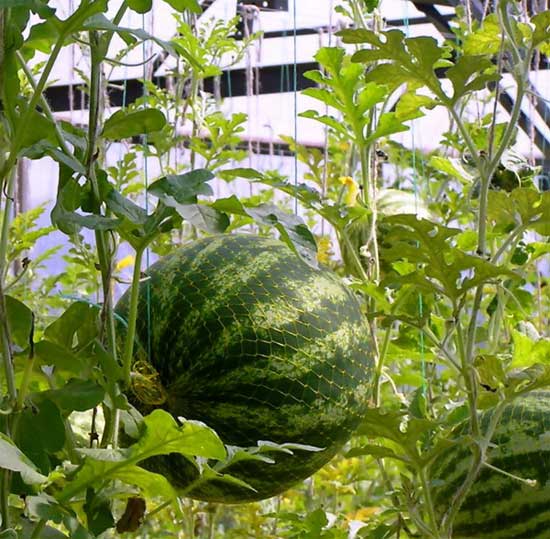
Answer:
(497, 506)
(247, 338)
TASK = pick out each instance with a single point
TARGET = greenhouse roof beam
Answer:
(505, 99)
(436, 18)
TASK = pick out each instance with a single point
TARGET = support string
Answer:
(416, 204)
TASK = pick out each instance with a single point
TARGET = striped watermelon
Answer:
(499, 507)
(250, 340)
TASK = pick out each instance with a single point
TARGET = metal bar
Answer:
(505, 100)
(433, 15)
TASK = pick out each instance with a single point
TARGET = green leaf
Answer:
(129, 35)
(542, 28)
(410, 104)
(49, 353)
(78, 317)
(163, 435)
(42, 37)
(441, 267)
(182, 5)
(21, 322)
(70, 197)
(523, 206)
(375, 451)
(331, 58)
(469, 74)
(528, 351)
(76, 395)
(140, 6)
(410, 60)
(8, 534)
(41, 427)
(485, 40)
(41, 432)
(42, 129)
(125, 124)
(204, 217)
(388, 124)
(98, 512)
(126, 209)
(230, 205)
(293, 231)
(12, 458)
(491, 372)
(183, 188)
(248, 173)
(327, 120)
(95, 472)
(450, 166)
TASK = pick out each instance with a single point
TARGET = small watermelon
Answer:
(247, 338)
(498, 506)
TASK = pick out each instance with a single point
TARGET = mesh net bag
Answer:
(247, 338)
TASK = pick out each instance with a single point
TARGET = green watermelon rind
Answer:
(497, 506)
(247, 335)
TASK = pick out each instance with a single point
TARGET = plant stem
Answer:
(6, 221)
(429, 502)
(132, 318)
(478, 461)
(44, 105)
(40, 525)
(5, 336)
(105, 260)
(510, 241)
(469, 380)
(22, 125)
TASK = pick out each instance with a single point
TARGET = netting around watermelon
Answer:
(499, 506)
(258, 345)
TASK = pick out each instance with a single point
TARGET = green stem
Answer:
(479, 456)
(429, 502)
(469, 380)
(44, 105)
(510, 241)
(25, 119)
(105, 259)
(132, 318)
(384, 351)
(355, 256)
(5, 478)
(5, 336)
(369, 190)
(6, 221)
(37, 532)
(467, 137)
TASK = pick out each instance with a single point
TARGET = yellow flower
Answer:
(352, 188)
(324, 252)
(124, 263)
(363, 514)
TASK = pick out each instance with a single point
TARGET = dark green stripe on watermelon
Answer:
(250, 340)
(499, 507)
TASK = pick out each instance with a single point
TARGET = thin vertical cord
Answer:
(146, 181)
(324, 185)
(295, 85)
(416, 208)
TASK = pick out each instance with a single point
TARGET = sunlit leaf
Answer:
(125, 124)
